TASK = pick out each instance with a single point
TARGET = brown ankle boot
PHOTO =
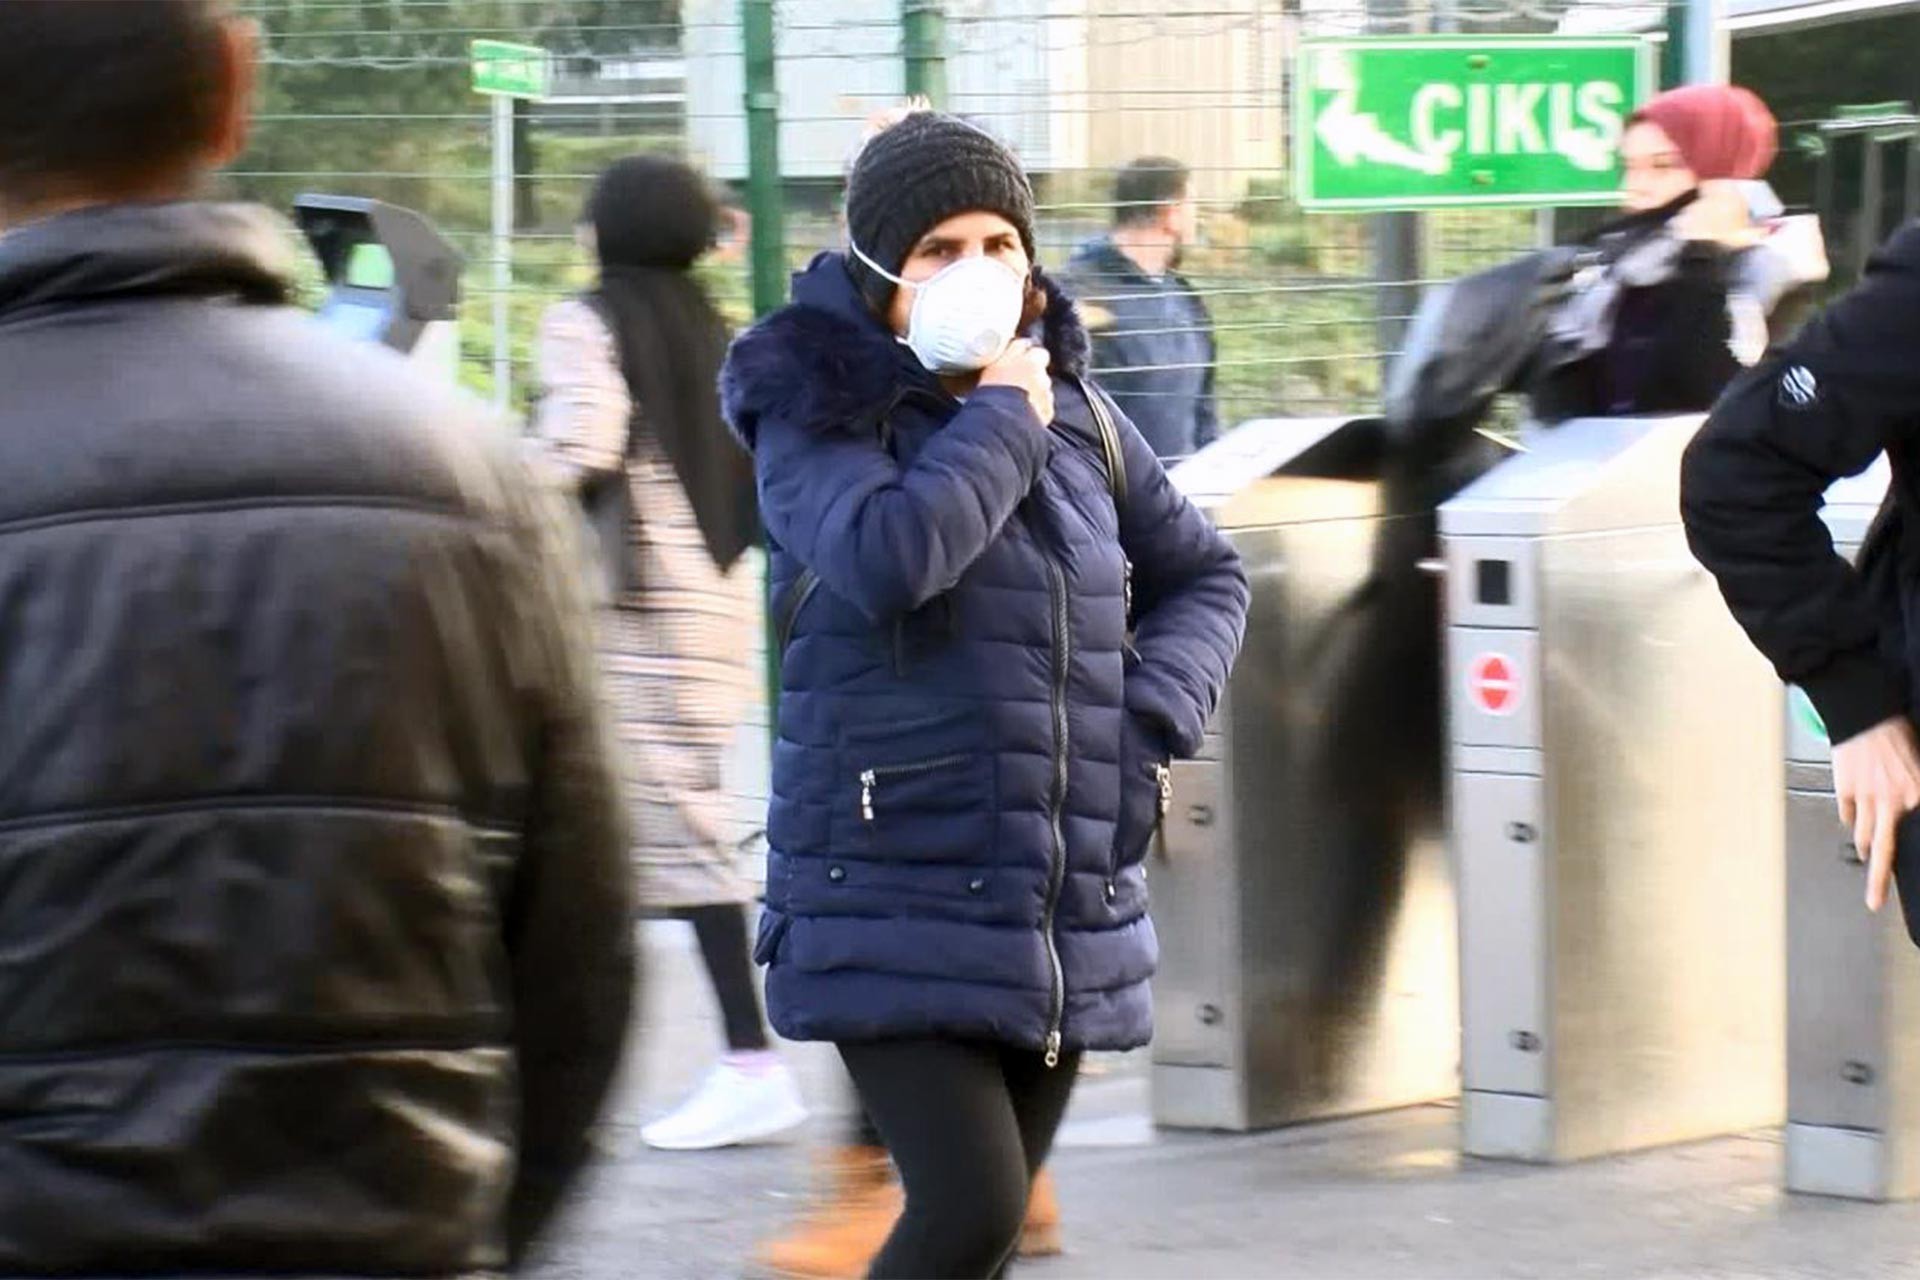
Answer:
(839, 1237)
(1040, 1234)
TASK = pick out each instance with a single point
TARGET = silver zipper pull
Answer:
(1164, 776)
(1127, 589)
(1053, 1050)
(866, 795)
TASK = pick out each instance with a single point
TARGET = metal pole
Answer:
(502, 251)
(1396, 237)
(1397, 242)
(768, 253)
(1707, 48)
(923, 31)
(1873, 194)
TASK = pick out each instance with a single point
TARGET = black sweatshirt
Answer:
(1823, 407)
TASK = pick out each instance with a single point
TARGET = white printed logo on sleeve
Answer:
(1799, 389)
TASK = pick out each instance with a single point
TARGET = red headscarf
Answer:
(1723, 131)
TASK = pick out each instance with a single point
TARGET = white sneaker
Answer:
(731, 1108)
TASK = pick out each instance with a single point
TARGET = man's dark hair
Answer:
(104, 95)
(1147, 186)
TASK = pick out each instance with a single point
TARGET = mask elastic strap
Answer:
(875, 267)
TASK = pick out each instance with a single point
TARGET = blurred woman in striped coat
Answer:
(630, 412)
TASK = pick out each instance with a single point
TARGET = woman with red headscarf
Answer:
(1673, 300)
(1654, 313)
(1694, 141)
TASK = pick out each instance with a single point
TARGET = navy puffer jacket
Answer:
(967, 774)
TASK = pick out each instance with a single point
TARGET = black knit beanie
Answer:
(914, 175)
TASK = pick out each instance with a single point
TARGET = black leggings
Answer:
(722, 931)
(968, 1125)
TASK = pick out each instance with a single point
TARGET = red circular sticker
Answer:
(1495, 684)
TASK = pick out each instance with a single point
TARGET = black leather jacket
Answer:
(315, 950)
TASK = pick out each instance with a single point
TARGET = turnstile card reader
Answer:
(391, 277)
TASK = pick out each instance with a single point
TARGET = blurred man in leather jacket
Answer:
(316, 932)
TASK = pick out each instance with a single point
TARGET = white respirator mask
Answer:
(965, 316)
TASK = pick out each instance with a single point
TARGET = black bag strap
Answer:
(787, 611)
(1110, 450)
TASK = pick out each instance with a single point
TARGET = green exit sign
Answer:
(509, 70)
(1437, 122)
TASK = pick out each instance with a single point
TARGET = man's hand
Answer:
(1024, 365)
(1876, 776)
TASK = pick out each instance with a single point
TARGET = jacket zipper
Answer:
(1163, 778)
(1062, 658)
(870, 778)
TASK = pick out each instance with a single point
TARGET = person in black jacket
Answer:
(316, 926)
(1822, 407)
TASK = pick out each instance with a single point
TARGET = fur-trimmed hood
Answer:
(827, 362)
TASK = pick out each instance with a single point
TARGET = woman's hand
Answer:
(1719, 215)
(1025, 366)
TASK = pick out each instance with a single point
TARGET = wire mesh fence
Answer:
(372, 97)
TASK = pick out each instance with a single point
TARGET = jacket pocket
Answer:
(773, 929)
(906, 784)
(1146, 791)
(920, 790)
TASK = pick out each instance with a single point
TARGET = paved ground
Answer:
(1370, 1199)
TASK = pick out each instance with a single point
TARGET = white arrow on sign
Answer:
(1351, 135)
(1589, 151)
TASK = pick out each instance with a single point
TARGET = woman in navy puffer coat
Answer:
(973, 739)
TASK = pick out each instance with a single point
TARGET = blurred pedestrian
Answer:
(317, 921)
(859, 1201)
(1153, 343)
(1679, 300)
(972, 751)
(631, 410)
(1653, 313)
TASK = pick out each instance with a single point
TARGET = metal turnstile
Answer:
(1301, 892)
(1616, 822)
(1853, 980)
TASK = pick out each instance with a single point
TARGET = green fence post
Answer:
(923, 32)
(767, 251)
(1673, 55)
